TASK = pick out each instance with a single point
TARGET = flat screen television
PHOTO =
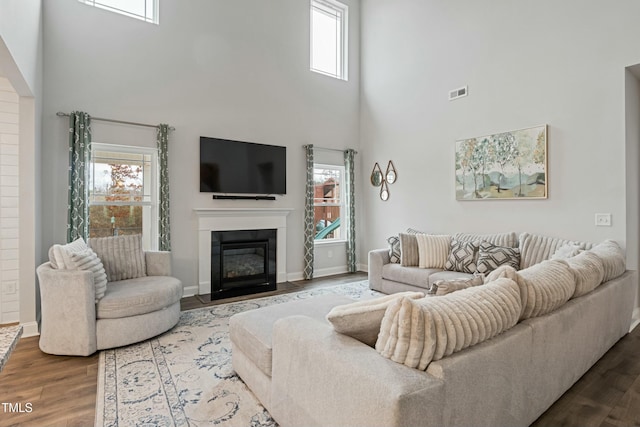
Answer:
(237, 167)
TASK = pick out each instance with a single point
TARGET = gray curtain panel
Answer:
(164, 229)
(309, 226)
(349, 166)
(79, 149)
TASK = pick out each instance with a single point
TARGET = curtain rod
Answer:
(328, 149)
(61, 114)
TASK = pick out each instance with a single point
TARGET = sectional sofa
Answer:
(496, 354)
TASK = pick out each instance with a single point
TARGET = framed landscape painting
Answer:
(508, 165)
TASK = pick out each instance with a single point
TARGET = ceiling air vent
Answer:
(458, 93)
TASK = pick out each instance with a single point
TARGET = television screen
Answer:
(242, 167)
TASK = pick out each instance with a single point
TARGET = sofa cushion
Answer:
(588, 271)
(361, 319)
(509, 240)
(613, 259)
(535, 248)
(415, 332)
(433, 250)
(410, 275)
(251, 330)
(444, 287)
(132, 297)
(122, 256)
(462, 256)
(491, 256)
(548, 286)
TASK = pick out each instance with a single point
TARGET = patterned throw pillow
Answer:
(394, 249)
(462, 257)
(433, 250)
(491, 256)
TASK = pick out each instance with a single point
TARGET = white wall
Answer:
(526, 64)
(21, 58)
(231, 69)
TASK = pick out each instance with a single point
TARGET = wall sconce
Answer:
(383, 181)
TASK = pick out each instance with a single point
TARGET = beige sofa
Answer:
(78, 316)
(306, 373)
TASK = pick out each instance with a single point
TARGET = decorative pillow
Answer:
(588, 271)
(409, 256)
(491, 257)
(535, 248)
(394, 249)
(612, 257)
(88, 261)
(60, 255)
(433, 250)
(361, 320)
(444, 287)
(416, 332)
(547, 285)
(462, 256)
(509, 240)
(122, 256)
(566, 251)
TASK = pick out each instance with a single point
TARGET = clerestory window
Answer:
(329, 29)
(145, 10)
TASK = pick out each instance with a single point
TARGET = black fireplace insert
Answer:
(243, 262)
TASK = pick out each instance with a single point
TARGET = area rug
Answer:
(184, 377)
(9, 336)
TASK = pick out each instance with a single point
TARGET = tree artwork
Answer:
(505, 165)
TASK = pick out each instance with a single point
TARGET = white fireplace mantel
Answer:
(222, 219)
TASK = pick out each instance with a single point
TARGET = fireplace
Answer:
(242, 262)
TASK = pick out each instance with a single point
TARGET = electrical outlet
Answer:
(10, 288)
(329, 254)
(603, 220)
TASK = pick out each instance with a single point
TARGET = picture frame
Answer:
(502, 166)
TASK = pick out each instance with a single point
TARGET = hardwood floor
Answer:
(61, 391)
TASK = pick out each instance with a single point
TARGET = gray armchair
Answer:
(131, 310)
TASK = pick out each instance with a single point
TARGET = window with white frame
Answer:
(123, 192)
(329, 25)
(145, 10)
(329, 203)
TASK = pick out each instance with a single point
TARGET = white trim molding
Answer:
(223, 219)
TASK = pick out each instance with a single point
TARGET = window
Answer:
(123, 192)
(146, 10)
(329, 38)
(328, 205)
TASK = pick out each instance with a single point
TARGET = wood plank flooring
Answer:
(62, 390)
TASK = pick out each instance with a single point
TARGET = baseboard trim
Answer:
(30, 329)
(189, 291)
(635, 319)
(324, 272)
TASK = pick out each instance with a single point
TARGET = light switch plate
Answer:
(603, 220)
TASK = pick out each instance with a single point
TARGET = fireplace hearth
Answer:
(243, 262)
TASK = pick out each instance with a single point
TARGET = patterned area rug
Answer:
(9, 337)
(184, 377)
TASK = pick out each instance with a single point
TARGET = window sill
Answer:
(329, 242)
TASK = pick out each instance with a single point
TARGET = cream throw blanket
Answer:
(416, 332)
